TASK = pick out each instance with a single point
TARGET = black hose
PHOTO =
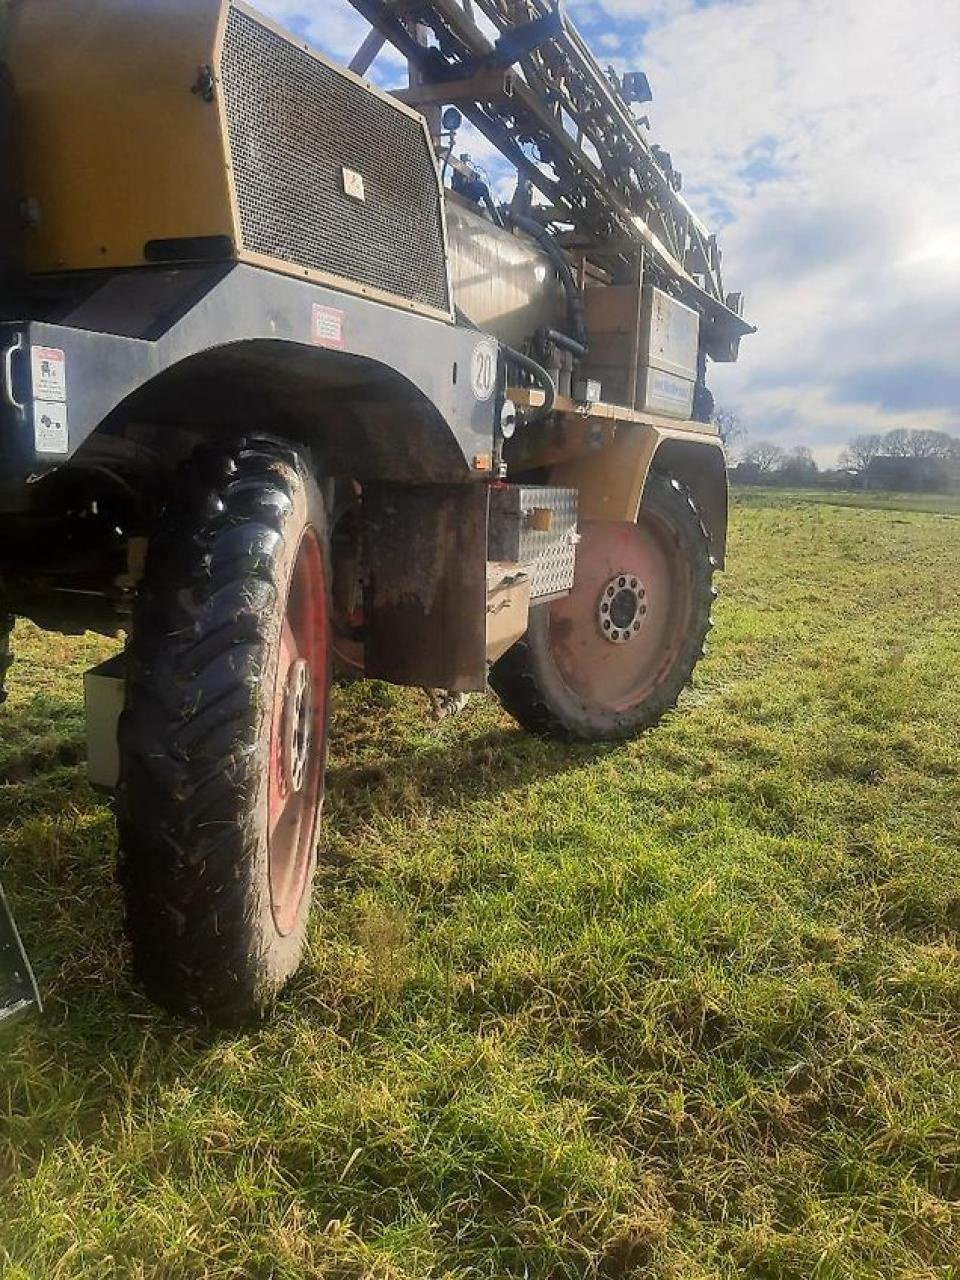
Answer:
(562, 340)
(536, 370)
(542, 376)
(575, 312)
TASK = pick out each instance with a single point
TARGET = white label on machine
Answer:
(327, 327)
(49, 373)
(50, 431)
(354, 185)
(666, 387)
(483, 370)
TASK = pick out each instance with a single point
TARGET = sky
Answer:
(821, 140)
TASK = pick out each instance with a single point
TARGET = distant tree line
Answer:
(900, 459)
(901, 443)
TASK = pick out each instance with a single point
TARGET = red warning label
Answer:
(327, 327)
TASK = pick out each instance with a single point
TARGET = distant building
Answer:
(841, 478)
(912, 475)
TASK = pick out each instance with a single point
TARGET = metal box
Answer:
(669, 348)
(535, 526)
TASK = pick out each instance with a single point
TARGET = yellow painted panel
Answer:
(117, 150)
(611, 479)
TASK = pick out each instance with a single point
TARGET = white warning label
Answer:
(50, 431)
(49, 373)
(327, 327)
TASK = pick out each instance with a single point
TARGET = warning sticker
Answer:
(50, 432)
(49, 373)
(327, 327)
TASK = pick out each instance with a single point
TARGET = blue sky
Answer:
(821, 139)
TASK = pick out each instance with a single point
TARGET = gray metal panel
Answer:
(430, 360)
(669, 350)
(18, 988)
(669, 334)
(665, 394)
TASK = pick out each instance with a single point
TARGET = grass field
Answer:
(685, 1008)
(872, 500)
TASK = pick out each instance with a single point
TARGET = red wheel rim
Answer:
(298, 735)
(620, 630)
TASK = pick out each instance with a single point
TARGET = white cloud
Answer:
(847, 240)
(333, 26)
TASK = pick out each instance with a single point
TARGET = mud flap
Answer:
(18, 988)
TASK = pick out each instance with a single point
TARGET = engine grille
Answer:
(295, 124)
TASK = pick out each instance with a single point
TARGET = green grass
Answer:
(944, 504)
(686, 1008)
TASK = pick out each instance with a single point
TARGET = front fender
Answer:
(228, 347)
(610, 472)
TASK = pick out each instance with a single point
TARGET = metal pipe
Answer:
(542, 376)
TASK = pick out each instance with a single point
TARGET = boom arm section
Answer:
(567, 128)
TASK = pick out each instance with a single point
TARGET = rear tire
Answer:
(612, 658)
(223, 737)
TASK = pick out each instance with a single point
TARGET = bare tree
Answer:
(861, 451)
(798, 467)
(931, 444)
(764, 455)
(906, 443)
(897, 444)
(729, 426)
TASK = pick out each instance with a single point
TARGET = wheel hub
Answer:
(622, 608)
(297, 719)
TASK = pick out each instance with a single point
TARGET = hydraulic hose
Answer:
(530, 365)
(542, 376)
(563, 340)
(575, 313)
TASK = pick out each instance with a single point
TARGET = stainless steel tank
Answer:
(503, 283)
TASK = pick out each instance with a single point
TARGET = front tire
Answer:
(223, 737)
(612, 658)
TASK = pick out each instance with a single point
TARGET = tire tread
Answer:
(189, 733)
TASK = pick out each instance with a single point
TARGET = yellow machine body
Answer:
(116, 149)
(131, 155)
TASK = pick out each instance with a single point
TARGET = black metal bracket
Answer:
(18, 987)
(513, 46)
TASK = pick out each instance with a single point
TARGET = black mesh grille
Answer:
(295, 125)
